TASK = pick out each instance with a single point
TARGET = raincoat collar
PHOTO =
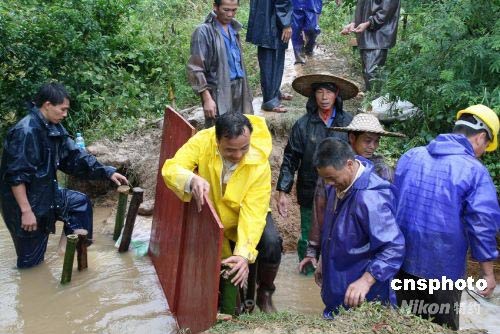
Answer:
(362, 182)
(450, 144)
(54, 130)
(359, 172)
(211, 19)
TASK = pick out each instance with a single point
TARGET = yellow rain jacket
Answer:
(243, 207)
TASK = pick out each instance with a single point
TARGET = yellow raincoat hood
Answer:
(243, 207)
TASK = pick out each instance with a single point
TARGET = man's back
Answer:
(441, 187)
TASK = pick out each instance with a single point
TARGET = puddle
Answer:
(294, 291)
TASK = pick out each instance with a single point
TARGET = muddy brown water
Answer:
(119, 293)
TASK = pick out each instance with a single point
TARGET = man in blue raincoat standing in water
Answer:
(362, 247)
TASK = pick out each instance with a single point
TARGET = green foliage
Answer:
(120, 59)
(333, 19)
(447, 60)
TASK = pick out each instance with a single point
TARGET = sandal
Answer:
(286, 96)
(278, 109)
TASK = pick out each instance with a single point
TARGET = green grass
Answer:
(369, 318)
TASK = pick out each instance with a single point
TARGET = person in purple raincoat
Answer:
(305, 21)
(448, 203)
(364, 133)
(362, 247)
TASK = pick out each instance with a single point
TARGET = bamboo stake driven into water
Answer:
(123, 192)
(133, 208)
(81, 251)
(69, 258)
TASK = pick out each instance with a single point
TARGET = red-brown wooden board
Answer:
(197, 292)
(185, 245)
(168, 214)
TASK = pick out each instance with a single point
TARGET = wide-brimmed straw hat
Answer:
(367, 123)
(303, 85)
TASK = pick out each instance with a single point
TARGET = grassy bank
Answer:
(368, 318)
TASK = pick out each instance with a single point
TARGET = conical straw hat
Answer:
(367, 123)
(347, 88)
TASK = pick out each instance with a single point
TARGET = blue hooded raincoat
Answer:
(447, 201)
(360, 235)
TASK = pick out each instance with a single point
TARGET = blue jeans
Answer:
(271, 63)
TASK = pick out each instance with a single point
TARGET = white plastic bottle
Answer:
(79, 141)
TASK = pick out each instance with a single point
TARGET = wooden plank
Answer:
(185, 245)
(168, 214)
(197, 293)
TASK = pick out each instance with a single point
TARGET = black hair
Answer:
(231, 125)
(332, 152)
(466, 130)
(327, 85)
(53, 92)
(219, 2)
(312, 105)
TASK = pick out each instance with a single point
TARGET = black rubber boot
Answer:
(266, 273)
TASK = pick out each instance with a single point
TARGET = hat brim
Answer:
(303, 85)
(382, 133)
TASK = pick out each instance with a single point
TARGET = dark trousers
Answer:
(73, 208)
(442, 306)
(271, 63)
(271, 244)
(372, 60)
(236, 100)
(307, 22)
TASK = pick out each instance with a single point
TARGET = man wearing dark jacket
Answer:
(215, 68)
(269, 27)
(324, 110)
(375, 24)
(31, 200)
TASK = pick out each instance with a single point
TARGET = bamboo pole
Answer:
(69, 257)
(81, 251)
(123, 192)
(229, 300)
(137, 197)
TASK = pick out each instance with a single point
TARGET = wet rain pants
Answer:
(72, 207)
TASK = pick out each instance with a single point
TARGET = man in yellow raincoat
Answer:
(234, 171)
